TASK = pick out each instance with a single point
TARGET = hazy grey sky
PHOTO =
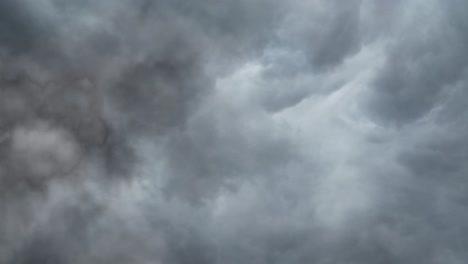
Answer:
(228, 132)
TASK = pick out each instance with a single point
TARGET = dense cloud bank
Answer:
(250, 131)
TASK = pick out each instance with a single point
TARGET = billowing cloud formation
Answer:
(261, 131)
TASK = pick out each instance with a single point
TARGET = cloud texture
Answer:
(250, 131)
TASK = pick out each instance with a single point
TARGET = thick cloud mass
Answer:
(251, 131)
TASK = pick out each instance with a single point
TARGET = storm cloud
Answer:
(261, 131)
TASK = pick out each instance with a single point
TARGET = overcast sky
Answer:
(233, 131)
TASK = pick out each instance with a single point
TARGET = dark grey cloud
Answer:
(157, 131)
(421, 65)
(21, 30)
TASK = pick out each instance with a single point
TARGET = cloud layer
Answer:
(172, 132)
